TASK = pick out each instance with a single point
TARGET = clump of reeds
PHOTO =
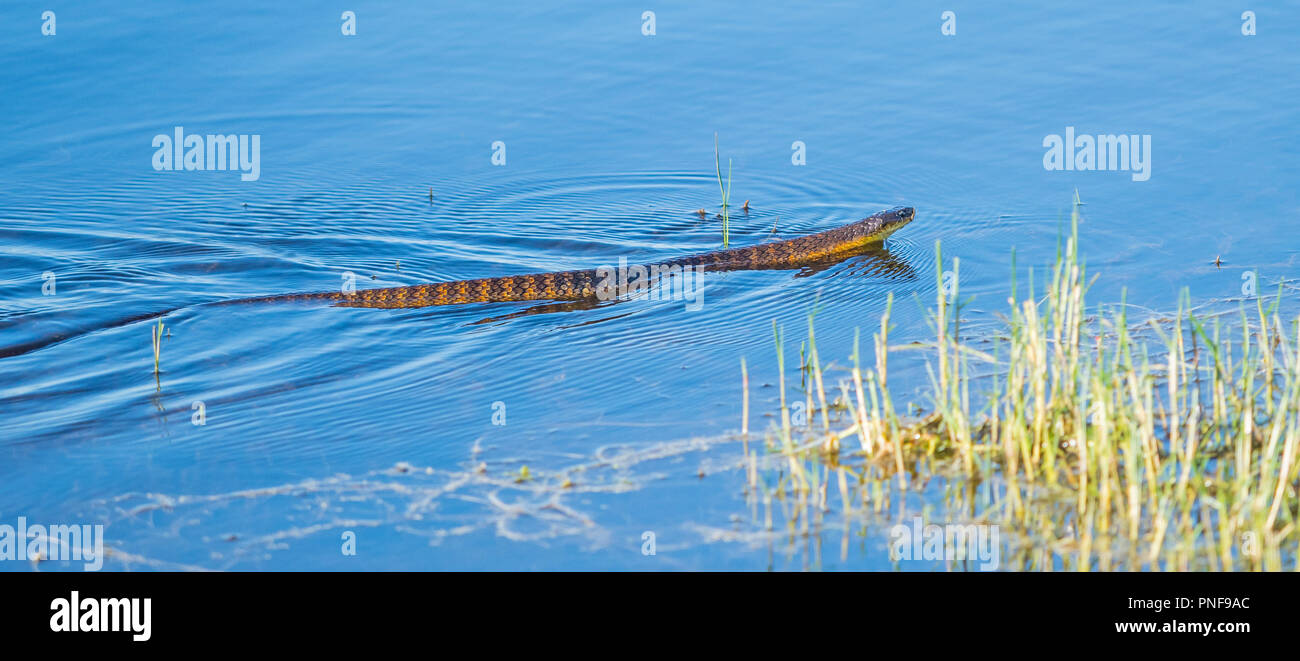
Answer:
(1093, 447)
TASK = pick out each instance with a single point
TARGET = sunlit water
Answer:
(321, 420)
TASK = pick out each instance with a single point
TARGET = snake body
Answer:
(588, 283)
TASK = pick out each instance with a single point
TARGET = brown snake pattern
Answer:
(587, 284)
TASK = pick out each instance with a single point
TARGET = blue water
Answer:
(323, 420)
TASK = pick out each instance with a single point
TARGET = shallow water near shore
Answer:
(377, 159)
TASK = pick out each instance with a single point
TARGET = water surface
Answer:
(322, 420)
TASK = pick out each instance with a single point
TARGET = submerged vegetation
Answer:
(1091, 443)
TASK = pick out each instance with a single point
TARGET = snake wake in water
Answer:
(568, 290)
(590, 284)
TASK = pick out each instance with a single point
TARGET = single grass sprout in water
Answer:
(726, 193)
(157, 345)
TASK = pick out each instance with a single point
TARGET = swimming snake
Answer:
(595, 283)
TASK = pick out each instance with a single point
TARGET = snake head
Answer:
(878, 226)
